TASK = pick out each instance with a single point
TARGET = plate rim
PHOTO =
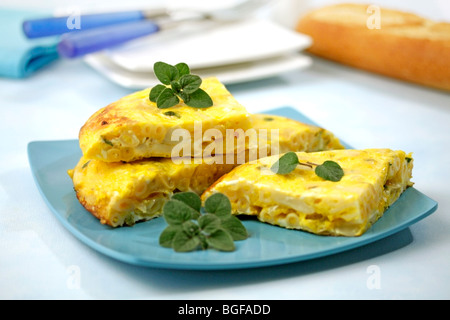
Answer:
(264, 69)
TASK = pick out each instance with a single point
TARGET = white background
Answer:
(38, 256)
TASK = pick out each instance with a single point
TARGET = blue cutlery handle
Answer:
(77, 44)
(58, 25)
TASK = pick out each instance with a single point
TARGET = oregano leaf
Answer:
(167, 99)
(286, 163)
(199, 99)
(156, 91)
(190, 83)
(179, 83)
(330, 170)
(172, 114)
(166, 237)
(165, 72)
(221, 240)
(190, 228)
(186, 97)
(182, 242)
(203, 242)
(190, 198)
(235, 228)
(176, 86)
(176, 212)
(183, 68)
(218, 204)
(209, 223)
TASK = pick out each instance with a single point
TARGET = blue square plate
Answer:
(267, 245)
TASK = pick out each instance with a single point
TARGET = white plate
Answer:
(227, 74)
(209, 44)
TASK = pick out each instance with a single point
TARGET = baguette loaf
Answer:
(394, 43)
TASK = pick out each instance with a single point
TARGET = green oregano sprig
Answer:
(178, 83)
(191, 227)
(329, 170)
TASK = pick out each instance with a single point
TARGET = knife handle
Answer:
(77, 44)
(52, 26)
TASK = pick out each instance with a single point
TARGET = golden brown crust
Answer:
(406, 47)
(104, 117)
(94, 210)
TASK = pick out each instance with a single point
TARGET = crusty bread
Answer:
(399, 44)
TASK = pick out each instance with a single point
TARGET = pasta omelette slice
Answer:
(122, 193)
(373, 180)
(134, 128)
(292, 135)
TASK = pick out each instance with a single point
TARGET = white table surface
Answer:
(39, 257)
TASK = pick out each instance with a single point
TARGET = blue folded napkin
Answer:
(20, 56)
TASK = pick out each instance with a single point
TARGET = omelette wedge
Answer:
(272, 134)
(121, 194)
(134, 128)
(373, 180)
(292, 135)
